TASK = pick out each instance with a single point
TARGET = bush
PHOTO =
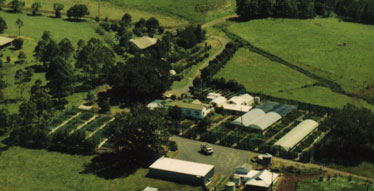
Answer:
(100, 31)
(173, 146)
(105, 26)
(18, 43)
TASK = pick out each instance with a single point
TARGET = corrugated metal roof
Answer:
(268, 106)
(297, 134)
(249, 118)
(284, 109)
(181, 166)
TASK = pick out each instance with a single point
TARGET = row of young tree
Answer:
(358, 11)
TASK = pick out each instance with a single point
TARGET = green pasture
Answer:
(333, 49)
(259, 74)
(333, 184)
(171, 13)
(31, 33)
(364, 169)
(26, 169)
(113, 11)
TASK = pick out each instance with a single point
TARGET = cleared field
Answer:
(25, 169)
(333, 184)
(339, 51)
(31, 32)
(259, 74)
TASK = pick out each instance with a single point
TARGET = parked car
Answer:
(206, 149)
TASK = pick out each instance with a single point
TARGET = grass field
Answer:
(25, 169)
(363, 169)
(171, 13)
(339, 51)
(31, 32)
(334, 184)
(259, 74)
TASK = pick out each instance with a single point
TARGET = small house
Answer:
(219, 101)
(259, 180)
(244, 99)
(198, 111)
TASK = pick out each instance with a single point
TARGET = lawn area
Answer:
(336, 50)
(25, 169)
(259, 74)
(363, 169)
(31, 32)
(334, 184)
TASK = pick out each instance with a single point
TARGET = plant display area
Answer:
(333, 183)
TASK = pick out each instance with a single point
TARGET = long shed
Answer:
(297, 134)
(182, 171)
(249, 118)
(266, 121)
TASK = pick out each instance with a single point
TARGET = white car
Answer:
(206, 149)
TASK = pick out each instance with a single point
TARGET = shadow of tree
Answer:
(111, 166)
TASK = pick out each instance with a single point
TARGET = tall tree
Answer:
(77, 11)
(66, 48)
(61, 77)
(58, 7)
(152, 25)
(3, 25)
(126, 19)
(16, 5)
(36, 6)
(2, 3)
(19, 23)
(140, 134)
(21, 78)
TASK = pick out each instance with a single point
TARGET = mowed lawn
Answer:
(259, 74)
(333, 184)
(339, 51)
(31, 33)
(28, 170)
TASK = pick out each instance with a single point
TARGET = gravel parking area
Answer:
(224, 159)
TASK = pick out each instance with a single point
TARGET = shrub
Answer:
(172, 146)
(18, 43)
(105, 25)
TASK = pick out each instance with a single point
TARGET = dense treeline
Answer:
(351, 139)
(358, 11)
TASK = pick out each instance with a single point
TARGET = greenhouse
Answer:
(249, 118)
(284, 109)
(268, 106)
(266, 121)
(297, 134)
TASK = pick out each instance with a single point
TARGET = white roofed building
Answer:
(212, 95)
(249, 118)
(244, 99)
(266, 121)
(182, 171)
(297, 134)
(259, 180)
(219, 101)
(144, 42)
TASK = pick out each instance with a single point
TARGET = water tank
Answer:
(236, 180)
(267, 158)
(257, 100)
(230, 186)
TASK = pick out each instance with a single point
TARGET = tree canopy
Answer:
(58, 7)
(77, 11)
(35, 8)
(16, 5)
(3, 25)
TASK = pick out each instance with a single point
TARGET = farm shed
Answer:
(259, 180)
(182, 171)
(249, 118)
(198, 111)
(266, 121)
(5, 41)
(244, 99)
(284, 109)
(268, 106)
(219, 101)
(144, 42)
(297, 134)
